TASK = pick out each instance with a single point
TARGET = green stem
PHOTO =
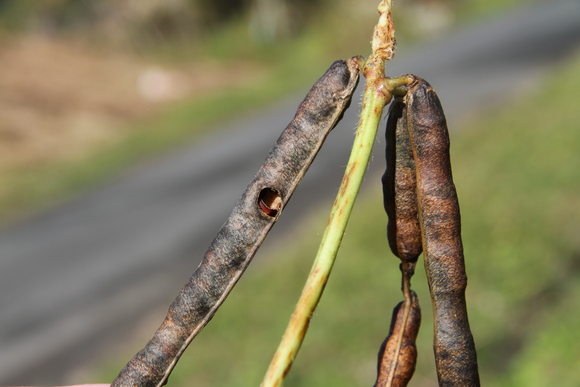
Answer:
(378, 92)
(374, 100)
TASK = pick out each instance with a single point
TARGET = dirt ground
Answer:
(60, 100)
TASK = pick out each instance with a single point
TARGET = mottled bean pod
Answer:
(239, 238)
(400, 186)
(455, 355)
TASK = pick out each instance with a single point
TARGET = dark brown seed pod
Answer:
(239, 238)
(455, 355)
(399, 186)
(398, 354)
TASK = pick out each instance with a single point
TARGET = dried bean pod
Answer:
(455, 355)
(398, 354)
(239, 238)
(399, 186)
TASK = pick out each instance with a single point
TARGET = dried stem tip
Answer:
(384, 41)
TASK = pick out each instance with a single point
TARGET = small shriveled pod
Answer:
(455, 354)
(398, 354)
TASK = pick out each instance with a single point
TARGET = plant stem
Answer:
(373, 104)
(328, 249)
(377, 94)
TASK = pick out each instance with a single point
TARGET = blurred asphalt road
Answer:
(80, 276)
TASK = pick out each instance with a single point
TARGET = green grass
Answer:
(518, 177)
(516, 171)
(473, 9)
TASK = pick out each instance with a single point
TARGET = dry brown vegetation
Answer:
(61, 100)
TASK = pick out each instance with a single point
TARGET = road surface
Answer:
(84, 272)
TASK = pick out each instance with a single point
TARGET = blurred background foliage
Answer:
(86, 83)
(135, 24)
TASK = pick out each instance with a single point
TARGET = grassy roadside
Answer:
(516, 171)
